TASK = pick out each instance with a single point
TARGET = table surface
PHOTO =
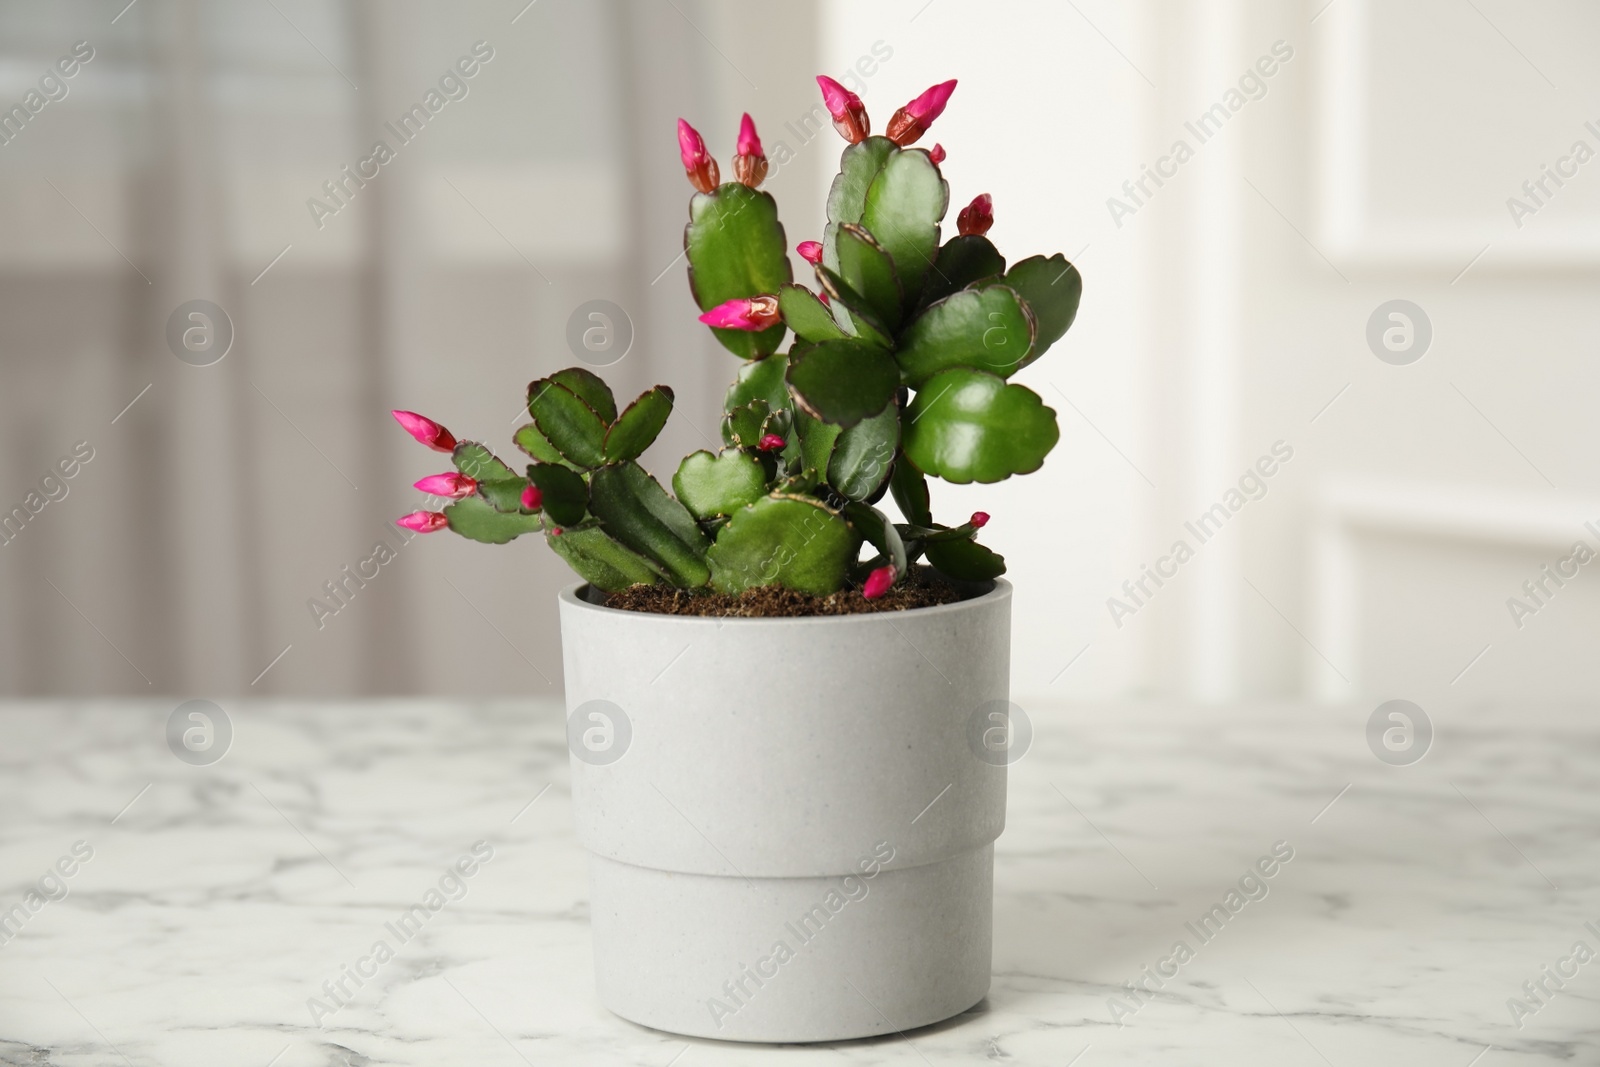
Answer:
(218, 899)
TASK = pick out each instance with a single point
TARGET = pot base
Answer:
(793, 959)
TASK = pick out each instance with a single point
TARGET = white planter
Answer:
(746, 784)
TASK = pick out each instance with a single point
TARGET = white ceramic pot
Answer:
(789, 821)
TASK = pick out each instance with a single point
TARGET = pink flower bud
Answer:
(426, 431)
(752, 313)
(697, 162)
(532, 498)
(980, 519)
(555, 531)
(937, 154)
(771, 443)
(750, 165)
(453, 486)
(849, 117)
(878, 582)
(976, 217)
(913, 120)
(822, 295)
(423, 521)
(810, 251)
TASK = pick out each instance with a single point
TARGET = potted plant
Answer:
(782, 703)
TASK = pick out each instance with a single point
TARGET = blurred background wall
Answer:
(1428, 459)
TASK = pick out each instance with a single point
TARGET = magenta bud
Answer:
(452, 485)
(750, 165)
(771, 443)
(849, 117)
(532, 498)
(426, 431)
(937, 154)
(878, 582)
(697, 162)
(976, 217)
(423, 521)
(980, 519)
(912, 121)
(752, 313)
(810, 251)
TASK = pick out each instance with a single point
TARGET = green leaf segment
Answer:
(899, 371)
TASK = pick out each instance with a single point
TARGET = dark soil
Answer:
(921, 589)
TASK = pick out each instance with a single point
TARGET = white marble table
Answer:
(219, 899)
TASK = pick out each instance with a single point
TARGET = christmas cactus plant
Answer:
(897, 371)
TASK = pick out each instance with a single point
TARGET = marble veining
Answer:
(207, 907)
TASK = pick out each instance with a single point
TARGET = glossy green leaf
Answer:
(530, 440)
(564, 496)
(567, 422)
(852, 311)
(637, 426)
(763, 380)
(719, 485)
(635, 510)
(736, 249)
(847, 198)
(789, 541)
(601, 560)
(864, 455)
(904, 205)
(866, 268)
(962, 260)
(842, 382)
(989, 329)
(970, 426)
(816, 442)
(1052, 287)
(875, 526)
(473, 518)
(807, 315)
(743, 427)
(964, 560)
(591, 388)
(910, 489)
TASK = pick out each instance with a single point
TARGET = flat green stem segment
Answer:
(565, 497)
(736, 249)
(637, 426)
(816, 442)
(875, 526)
(475, 520)
(600, 560)
(970, 426)
(962, 260)
(497, 483)
(904, 205)
(536, 444)
(760, 381)
(847, 198)
(910, 491)
(568, 422)
(783, 540)
(989, 329)
(1052, 287)
(852, 311)
(719, 485)
(842, 382)
(635, 510)
(965, 561)
(864, 455)
(807, 315)
(591, 388)
(866, 268)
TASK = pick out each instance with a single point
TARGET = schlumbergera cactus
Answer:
(898, 371)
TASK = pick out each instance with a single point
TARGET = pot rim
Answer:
(1001, 589)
